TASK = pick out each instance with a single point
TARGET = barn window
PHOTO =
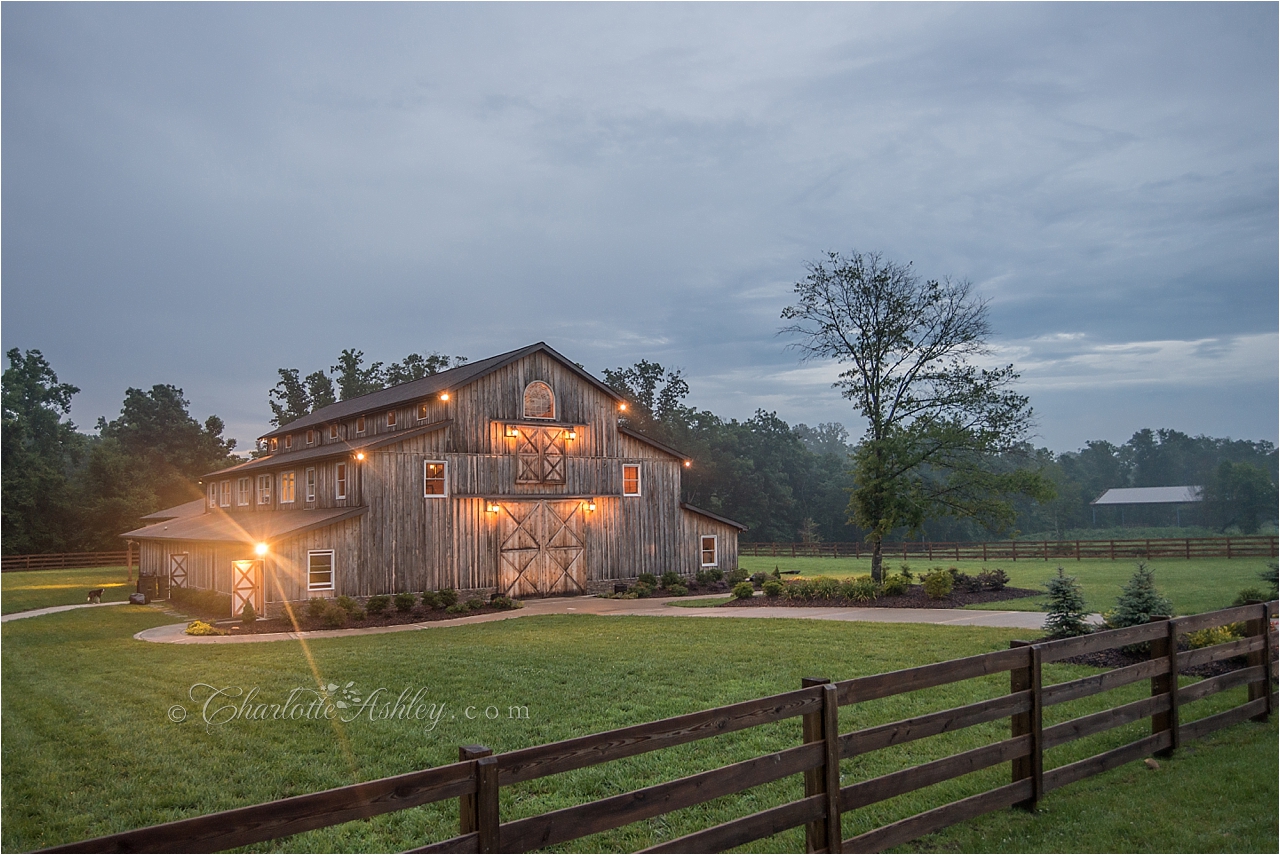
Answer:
(341, 492)
(213, 495)
(333, 431)
(433, 481)
(244, 491)
(391, 418)
(320, 570)
(224, 494)
(709, 556)
(631, 479)
(311, 437)
(273, 443)
(264, 489)
(288, 441)
(311, 485)
(360, 425)
(539, 403)
(422, 411)
(288, 487)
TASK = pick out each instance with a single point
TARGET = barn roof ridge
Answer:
(452, 378)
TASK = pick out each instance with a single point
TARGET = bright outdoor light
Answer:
(444, 396)
(360, 456)
(261, 549)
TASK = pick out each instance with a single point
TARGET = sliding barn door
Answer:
(541, 551)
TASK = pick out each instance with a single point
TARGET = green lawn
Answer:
(36, 589)
(88, 747)
(1194, 586)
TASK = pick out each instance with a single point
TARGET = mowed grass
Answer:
(21, 590)
(89, 747)
(1198, 585)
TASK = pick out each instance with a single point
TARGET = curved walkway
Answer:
(55, 609)
(175, 633)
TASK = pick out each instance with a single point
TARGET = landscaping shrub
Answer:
(798, 589)
(744, 591)
(358, 613)
(457, 608)
(1211, 636)
(938, 584)
(647, 579)
(772, 588)
(347, 604)
(432, 600)
(757, 579)
(501, 602)
(202, 601)
(905, 571)
(1272, 577)
(965, 582)
(993, 580)
(1250, 595)
(861, 589)
(1066, 607)
(895, 585)
(777, 574)
(475, 604)
(199, 627)
(1139, 600)
(316, 607)
(404, 602)
(670, 578)
(447, 597)
(677, 590)
(642, 589)
(376, 605)
(736, 576)
(826, 588)
(710, 576)
(248, 615)
(334, 616)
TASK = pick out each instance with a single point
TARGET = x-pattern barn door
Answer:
(541, 551)
(539, 455)
(178, 570)
(246, 586)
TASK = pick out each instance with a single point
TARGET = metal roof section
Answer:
(700, 512)
(453, 378)
(186, 509)
(320, 452)
(1150, 496)
(648, 440)
(244, 528)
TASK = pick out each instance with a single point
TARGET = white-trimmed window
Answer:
(631, 479)
(333, 431)
(213, 495)
(224, 493)
(710, 555)
(311, 484)
(273, 443)
(311, 437)
(340, 491)
(264, 489)
(288, 441)
(422, 411)
(433, 479)
(244, 491)
(391, 418)
(288, 487)
(360, 424)
(320, 570)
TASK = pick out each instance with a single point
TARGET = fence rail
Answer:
(1031, 550)
(64, 560)
(477, 779)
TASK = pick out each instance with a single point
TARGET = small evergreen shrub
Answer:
(199, 627)
(703, 577)
(777, 574)
(335, 616)
(316, 607)
(505, 603)
(736, 576)
(1066, 607)
(670, 578)
(404, 602)
(938, 584)
(648, 579)
(1250, 595)
(1139, 600)
(757, 579)
(358, 613)
(248, 615)
(447, 597)
(378, 604)
(904, 570)
(431, 600)
(346, 604)
(677, 590)
(993, 580)
(772, 588)
(895, 585)
(642, 589)
(826, 588)
(458, 609)
(744, 591)
(475, 604)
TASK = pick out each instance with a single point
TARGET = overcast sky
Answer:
(200, 194)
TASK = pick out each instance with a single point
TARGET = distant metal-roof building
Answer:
(1149, 496)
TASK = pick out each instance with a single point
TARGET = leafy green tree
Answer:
(934, 420)
(1242, 495)
(353, 378)
(40, 450)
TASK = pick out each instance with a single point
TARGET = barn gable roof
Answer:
(321, 452)
(453, 378)
(700, 512)
(636, 435)
(220, 526)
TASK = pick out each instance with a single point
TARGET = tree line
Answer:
(65, 490)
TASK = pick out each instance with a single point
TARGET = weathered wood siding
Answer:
(695, 525)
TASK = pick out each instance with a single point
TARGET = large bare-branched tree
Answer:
(934, 420)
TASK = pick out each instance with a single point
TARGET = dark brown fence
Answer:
(63, 560)
(476, 780)
(1031, 550)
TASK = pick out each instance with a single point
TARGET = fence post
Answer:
(469, 803)
(821, 727)
(1166, 683)
(1031, 765)
(1261, 688)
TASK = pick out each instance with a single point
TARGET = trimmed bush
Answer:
(201, 601)
(1066, 607)
(199, 627)
(1250, 595)
(772, 588)
(347, 604)
(744, 591)
(938, 585)
(447, 597)
(501, 602)
(457, 608)
(431, 600)
(993, 580)
(670, 578)
(335, 616)
(642, 590)
(647, 579)
(475, 604)
(316, 607)
(404, 602)
(895, 585)
(378, 604)
(677, 590)
(248, 615)
(757, 579)
(358, 613)
(736, 576)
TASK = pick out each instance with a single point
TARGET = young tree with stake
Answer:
(933, 419)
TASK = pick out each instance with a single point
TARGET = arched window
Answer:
(539, 402)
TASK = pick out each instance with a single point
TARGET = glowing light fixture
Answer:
(622, 406)
(589, 505)
(444, 396)
(571, 434)
(360, 456)
(688, 463)
(492, 507)
(512, 430)
(260, 549)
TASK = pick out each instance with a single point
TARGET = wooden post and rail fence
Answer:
(479, 776)
(1030, 550)
(67, 560)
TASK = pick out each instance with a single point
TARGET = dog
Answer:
(95, 596)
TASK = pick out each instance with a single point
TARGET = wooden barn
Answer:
(510, 475)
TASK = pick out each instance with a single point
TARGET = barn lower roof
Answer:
(1149, 496)
(243, 528)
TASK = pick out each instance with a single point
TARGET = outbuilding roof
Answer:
(186, 509)
(218, 525)
(700, 512)
(453, 378)
(1149, 496)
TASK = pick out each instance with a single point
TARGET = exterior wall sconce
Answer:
(512, 431)
(589, 505)
(492, 507)
(444, 396)
(571, 434)
(622, 406)
(688, 463)
(360, 456)
(260, 549)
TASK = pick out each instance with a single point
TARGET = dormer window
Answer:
(311, 437)
(360, 425)
(391, 418)
(539, 402)
(333, 431)
(288, 442)
(422, 411)
(273, 444)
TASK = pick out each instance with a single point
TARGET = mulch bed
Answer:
(916, 598)
(389, 618)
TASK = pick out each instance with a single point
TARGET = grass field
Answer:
(88, 746)
(1199, 585)
(35, 589)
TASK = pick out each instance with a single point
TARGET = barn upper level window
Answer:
(311, 437)
(391, 418)
(288, 442)
(360, 424)
(539, 402)
(333, 431)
